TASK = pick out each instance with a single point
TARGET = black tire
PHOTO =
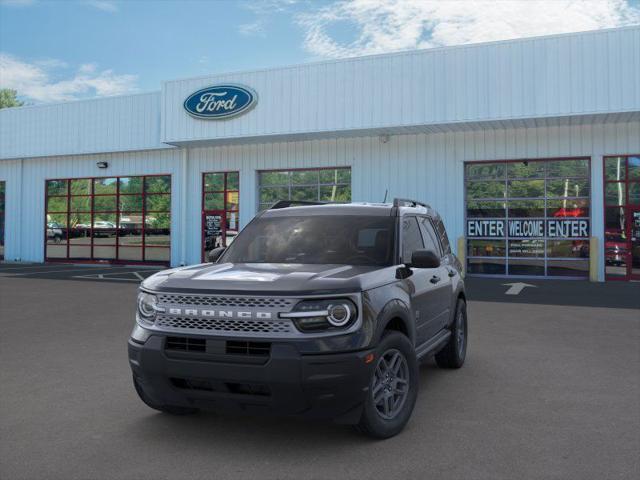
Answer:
(454, 353)
(172, 410)
(372, 421)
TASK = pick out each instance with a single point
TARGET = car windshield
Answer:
(317, 239)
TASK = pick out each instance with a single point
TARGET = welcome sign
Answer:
(219, 102)
(528, 228)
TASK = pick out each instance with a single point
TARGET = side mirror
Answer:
(214, 254)
(424, 259)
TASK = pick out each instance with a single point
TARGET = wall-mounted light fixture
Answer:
(102, 164)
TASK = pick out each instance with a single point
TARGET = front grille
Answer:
(186, 344)
(248, 348)
(230, 326)
(212, 301)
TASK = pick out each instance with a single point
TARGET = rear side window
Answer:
(430, 238)
(444, 240)
(411, 238)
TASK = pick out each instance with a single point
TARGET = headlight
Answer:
(147, 307)
(314, 315)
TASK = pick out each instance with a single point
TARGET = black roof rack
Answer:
(403, 202)
(293, 203)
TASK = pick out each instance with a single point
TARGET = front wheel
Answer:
(393, 388)
(454, 353)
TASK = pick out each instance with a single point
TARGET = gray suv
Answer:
(317, 310)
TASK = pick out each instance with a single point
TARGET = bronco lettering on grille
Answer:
(194, 312)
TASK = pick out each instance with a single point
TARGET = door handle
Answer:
(435, 279)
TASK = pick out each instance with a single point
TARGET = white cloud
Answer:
(389, 25)
(104, 5)
(36, 81)
(252, 29)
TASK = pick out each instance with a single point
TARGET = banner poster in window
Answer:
(528, 228)
(213, 231)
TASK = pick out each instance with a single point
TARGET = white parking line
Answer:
(110, 276)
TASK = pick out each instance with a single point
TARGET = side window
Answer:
(444, 240)
(430, 237)
(411, 238)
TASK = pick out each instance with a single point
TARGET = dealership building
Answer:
(529, 149)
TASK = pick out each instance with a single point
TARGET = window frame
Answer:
(506, 199)
(262, 205)
(91, 213)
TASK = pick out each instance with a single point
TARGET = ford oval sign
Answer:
(220, 101)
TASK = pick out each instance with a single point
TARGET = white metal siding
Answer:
(547, 77)
(90, 126)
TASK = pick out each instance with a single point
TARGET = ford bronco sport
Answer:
(320, 310)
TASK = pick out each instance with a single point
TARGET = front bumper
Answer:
(285, 382)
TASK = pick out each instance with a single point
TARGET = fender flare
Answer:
(395, 309)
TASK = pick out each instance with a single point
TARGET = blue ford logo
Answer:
(220, 101)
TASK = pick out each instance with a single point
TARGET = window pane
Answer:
(485, 189)
(105, 185)
(80, 204)
(128, 253)
(340, 193)
(304, 177)
(526, 208)
(568, 168)
(157, 237)
(614, 219)
(526, 248)
(615, 252)
(633, 168)
(568, 268)
(56, 250)
(131, 203)
(158, 184)
(567, 208)
(273, 194)
(80, 252)
(104, 252)
(485, 171)
(104, 220)
(634, 193)
(486, 266)
(526, 188)
(131, 185)
(102, 236)
(486, 248)
(614, 193)
(214, 201)
(158, 221)
(233, 181)
(568, 248)
(105, 204)
(411, 238)
(525, 169)
(232, 201)
(158, 203)
(526, 267)
(59, 220)
(477, 209)
(614, 168)
(214, 182)
(157, 254)
(57, 204)
(130, 237)
(274, 178)
(304, 193)
(567, 188)
(81, 187)
(56, 187)
(56, 233)
(429, 236)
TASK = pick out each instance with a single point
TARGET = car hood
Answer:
(270, 278)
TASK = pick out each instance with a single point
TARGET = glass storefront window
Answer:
(2, 215)
(109, 219)
(327, 184)
(524, 215)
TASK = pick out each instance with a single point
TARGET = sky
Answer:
(59, 50)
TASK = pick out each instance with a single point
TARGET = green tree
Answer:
(8, 98)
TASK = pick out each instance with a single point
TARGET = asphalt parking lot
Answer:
(551, 389)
